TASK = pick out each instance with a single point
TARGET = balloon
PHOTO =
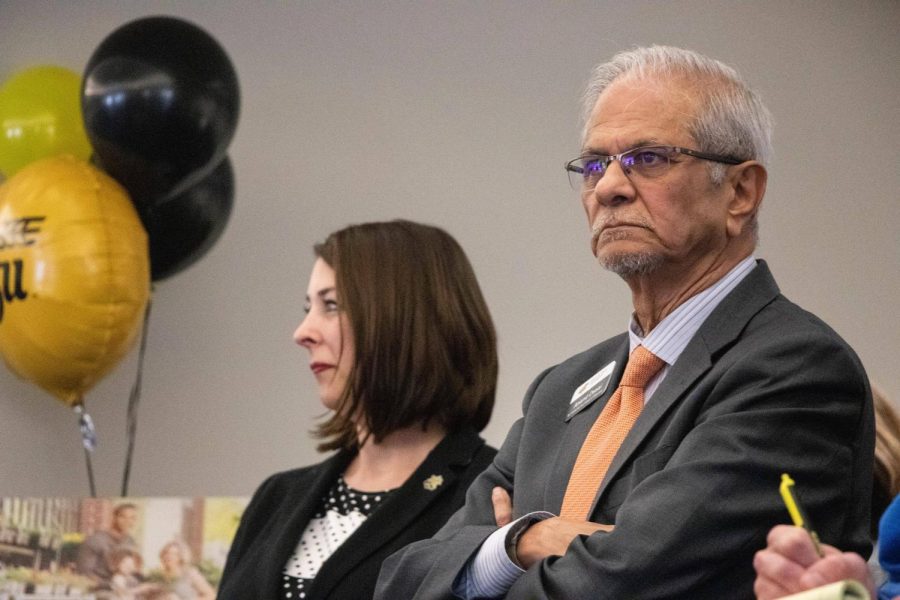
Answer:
(160, 101)
(40, 116)
(74, 271)
(184, 228)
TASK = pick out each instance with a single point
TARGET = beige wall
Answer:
(459, 114)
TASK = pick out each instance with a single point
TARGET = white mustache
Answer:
(613, 220)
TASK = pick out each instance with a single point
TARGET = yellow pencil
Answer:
(798, 515)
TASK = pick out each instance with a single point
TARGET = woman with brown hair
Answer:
(403, 350)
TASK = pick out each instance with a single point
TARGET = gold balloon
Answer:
(74, 275)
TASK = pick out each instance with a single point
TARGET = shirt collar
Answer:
(671, 336)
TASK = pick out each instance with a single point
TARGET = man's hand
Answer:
(545, 538)
(789, 564)
(551, 537)
(502, 506)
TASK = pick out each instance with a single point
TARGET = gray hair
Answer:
(732, 119)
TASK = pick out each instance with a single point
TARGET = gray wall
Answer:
(459, 114)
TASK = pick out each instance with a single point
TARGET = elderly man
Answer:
(648, 466)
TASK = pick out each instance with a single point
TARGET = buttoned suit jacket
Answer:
(284, 504)
(762, 388)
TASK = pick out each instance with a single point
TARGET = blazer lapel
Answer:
(720, 329)
(309, 493)
(430, 481)
(576, 430)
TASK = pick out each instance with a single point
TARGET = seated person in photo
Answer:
(181, 578)
(403, 350)
(95, 551)
(125, 583)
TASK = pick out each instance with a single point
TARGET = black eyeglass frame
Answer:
(607, 159)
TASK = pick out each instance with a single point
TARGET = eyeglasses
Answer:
(647, 161)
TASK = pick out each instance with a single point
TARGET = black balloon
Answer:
(184, 228)
(160, 102)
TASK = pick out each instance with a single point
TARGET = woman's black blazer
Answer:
(283, 505)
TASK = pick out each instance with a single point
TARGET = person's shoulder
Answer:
(772, 310)
(784, 322)
(607, 346)
(463, 448)
(486, 451)
(784, 308)
(465, 452)
(587, 360)
(288, 482)
(483, 454)
(297, 472)
(482, 458)
(564, 376)
(784, 340)
(757, 317)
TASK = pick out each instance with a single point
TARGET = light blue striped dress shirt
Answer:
(490, 573)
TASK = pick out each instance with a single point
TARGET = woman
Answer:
(403, 350)
(181, 579)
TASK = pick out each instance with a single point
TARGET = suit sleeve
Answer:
(425, 570)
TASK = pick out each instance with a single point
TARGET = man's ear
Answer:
(747, 183)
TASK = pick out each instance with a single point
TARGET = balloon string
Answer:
(134, 400)
(90, 471)
(88, 440)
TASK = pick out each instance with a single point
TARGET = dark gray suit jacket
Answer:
(763, 388)
(283, 505)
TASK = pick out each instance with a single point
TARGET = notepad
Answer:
(842, 590)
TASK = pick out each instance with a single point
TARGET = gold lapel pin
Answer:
(433, 482)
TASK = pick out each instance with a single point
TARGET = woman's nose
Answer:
(305, 334)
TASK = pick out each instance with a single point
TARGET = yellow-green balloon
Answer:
(40, 116)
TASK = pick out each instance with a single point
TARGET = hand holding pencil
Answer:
(794, 560)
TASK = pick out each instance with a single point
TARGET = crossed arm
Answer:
(549, 537)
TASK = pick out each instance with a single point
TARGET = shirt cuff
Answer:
(491, 572)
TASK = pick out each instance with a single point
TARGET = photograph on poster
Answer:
(115, 548)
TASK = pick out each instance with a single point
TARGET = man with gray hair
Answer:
(648, 466)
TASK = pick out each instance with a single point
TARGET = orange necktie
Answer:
(606, 435)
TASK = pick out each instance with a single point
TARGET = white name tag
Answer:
(590, 390)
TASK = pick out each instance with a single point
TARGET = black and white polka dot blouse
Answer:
(341, 512)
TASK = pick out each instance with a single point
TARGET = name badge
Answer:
(590, 390)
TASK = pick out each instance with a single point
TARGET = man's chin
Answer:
(627, 264)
